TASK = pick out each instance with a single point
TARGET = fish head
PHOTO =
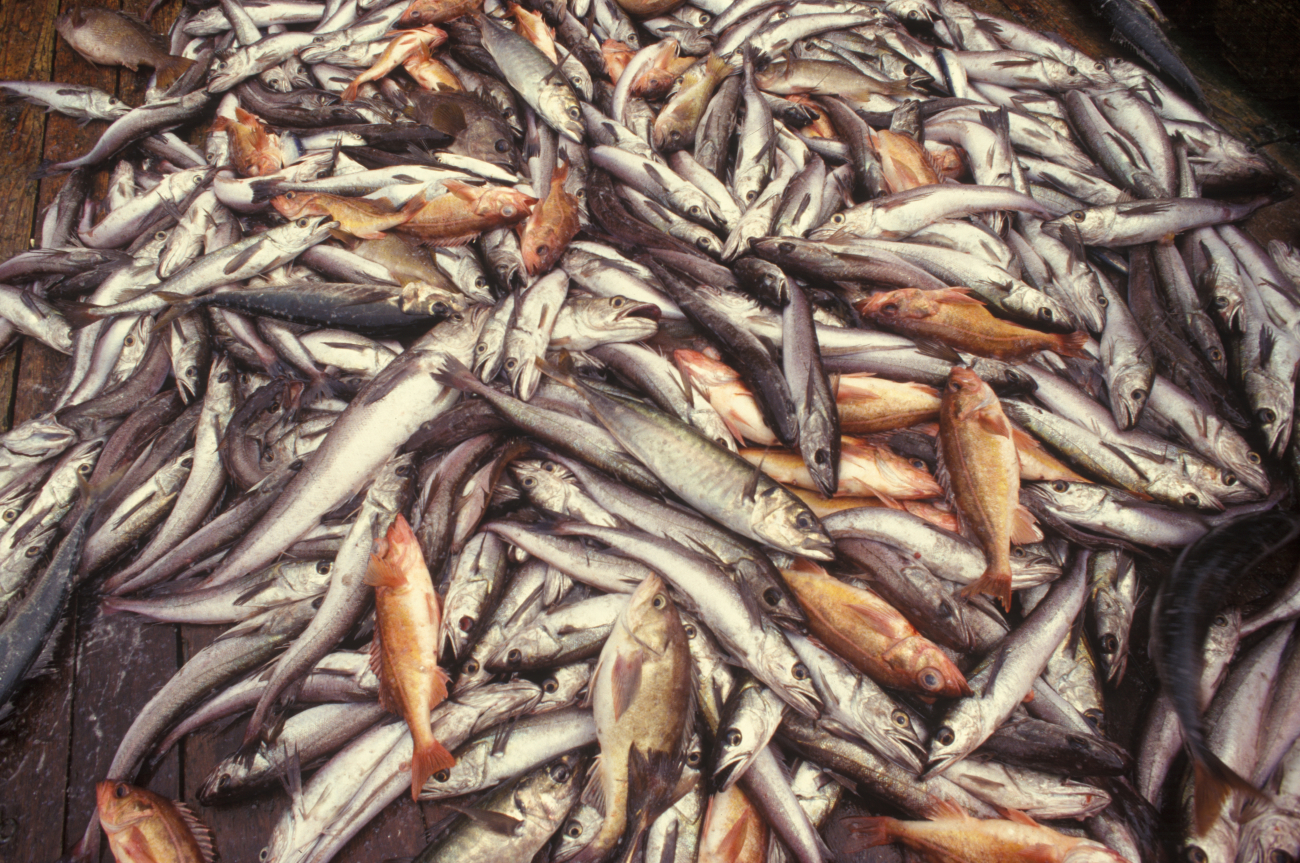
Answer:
(1030, 565)
(901, 304)
(957, 735)
(1273, 404)
(399, 548)
(1031, 304)
(504, 204)
(223, 783)
(1065, 77)
(565, 686)
(1270, 837)
(1129, 388)
(423, 12)
(741, 739)
(781, 520)
(778, 666)
(1112, 617)
(966, 389)
(579, 828)
(559, 105)
(1087, 227)
(304, 231)
(558, 787)
(1078, 499)
(932, 672)
(229, 69)
(704, 370)
(900, 736)
(651, 616)
(614, 319)
(121, 805)
(542, 483)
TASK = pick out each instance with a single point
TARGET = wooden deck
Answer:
(69, 722)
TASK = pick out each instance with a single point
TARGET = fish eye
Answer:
(575, 113)
(33, 551)
(1017, 551)
(1220, 620)
(264, 854)
(837, 219)
(543, 250)
(1060, 485)
(296, 464)
(550, 684)
(193, 371)
(223, 780)
(471, 667)
(316, 603)
(130, 340)
(161, 235)
(1220, 303)
(573, 829)
(1078, 215)
(514, 656)
(1046, 314)
(734, 737)
(705, 18)
(800, 671)
(302, 223)
(501, 145)
(577, 82)
(289, 196)
(690, 630)
(481, 348)
(703, 243)
(617, 302)
(560, 773)
(751, 195)
(1216, 355)
(121, 790)
(1229, 478)
(945, 736)
(511, 363)
(508, 210)
(530, 481)
(772, 596)
(900, 718)
(917, 463)
(804, 521)
(889, 309)
(1191, 499)
(10, 515)
(930, 679)
(1070, 70)
(1253, 457)
(1095, 718)
(548, 466)
(1109, 643)
(1100, 67)
(403, 470)
(324, 566)
(659, 601)
(442, 775)
(84, 469)
(693, 758)
(1266, 415)
(1138, 395)
(695, 210)
(786, 248)
(185, 462)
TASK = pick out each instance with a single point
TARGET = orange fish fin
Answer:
(594, 793)
(440, 680)
(868, 832)
(626, 681)
(1017, 817)
(995, 584)
(376, 656)
(200, 831)
(452, 242)
(994, 423)
(427, 761)
(1040, 853)
(464, 191)
(560, 173)
(349, 93)
(1072, 344)
(1024, 527)
(1023, 440)
(876, 618)
(383, 573)
(221, 124)
(1213, 782)
(413, 206)
(134, 844)
(957, 297)
(734, 842)
(943, 809)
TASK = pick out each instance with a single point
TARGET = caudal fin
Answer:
(1072, 344)
(994, 583)
(867, 832)
(171, 70)
(427, 761)
(1214, 781)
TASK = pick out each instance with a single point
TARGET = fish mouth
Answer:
(646, 311)
(907, 752)
(937, 764)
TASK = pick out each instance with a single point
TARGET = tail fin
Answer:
(172, 69)
(1214, 781)
(1071, 344)
(427, 761)
(994, 583)
(456, 375)
(349, 93)
(867, 832)
(80, 315)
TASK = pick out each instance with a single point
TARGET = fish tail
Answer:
(996, 582)
(1072, 344)
(426, 761)
(171, 70)
(349, 93)
(868, 832)
(456, 375)
(79, 315)
(1214, 781)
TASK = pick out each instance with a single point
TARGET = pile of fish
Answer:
(644, 428)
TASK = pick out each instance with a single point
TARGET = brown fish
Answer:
(143, 827)
(107, 37)
(867, 467)
(532, 27)
(255, 151)
(868, 404)
(466, 211)
(675, 126)
(872, 635)
(553, 223)
(824, 506)
(955, 318)
(360, 217)
(431, 73)
(404, 45)
(422, 12)
(616, 55)
(404, 653)
(982, 471)
(903, 161)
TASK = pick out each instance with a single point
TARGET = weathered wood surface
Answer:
(106, 668)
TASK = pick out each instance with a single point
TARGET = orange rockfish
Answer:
(360, 217)
(533, 28)
(872, 635)
(824, 506)
(729, 395)
(254, 151)
(404, 653)
(903, 161)
(431, 73)
(422, 12)
(466, 211)
(866, 468)
(869, 404)
(952, 836)
(733, 830)
(953, 317)
(979, 457)
(553, 223)
(143, 827)
(404, 45)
